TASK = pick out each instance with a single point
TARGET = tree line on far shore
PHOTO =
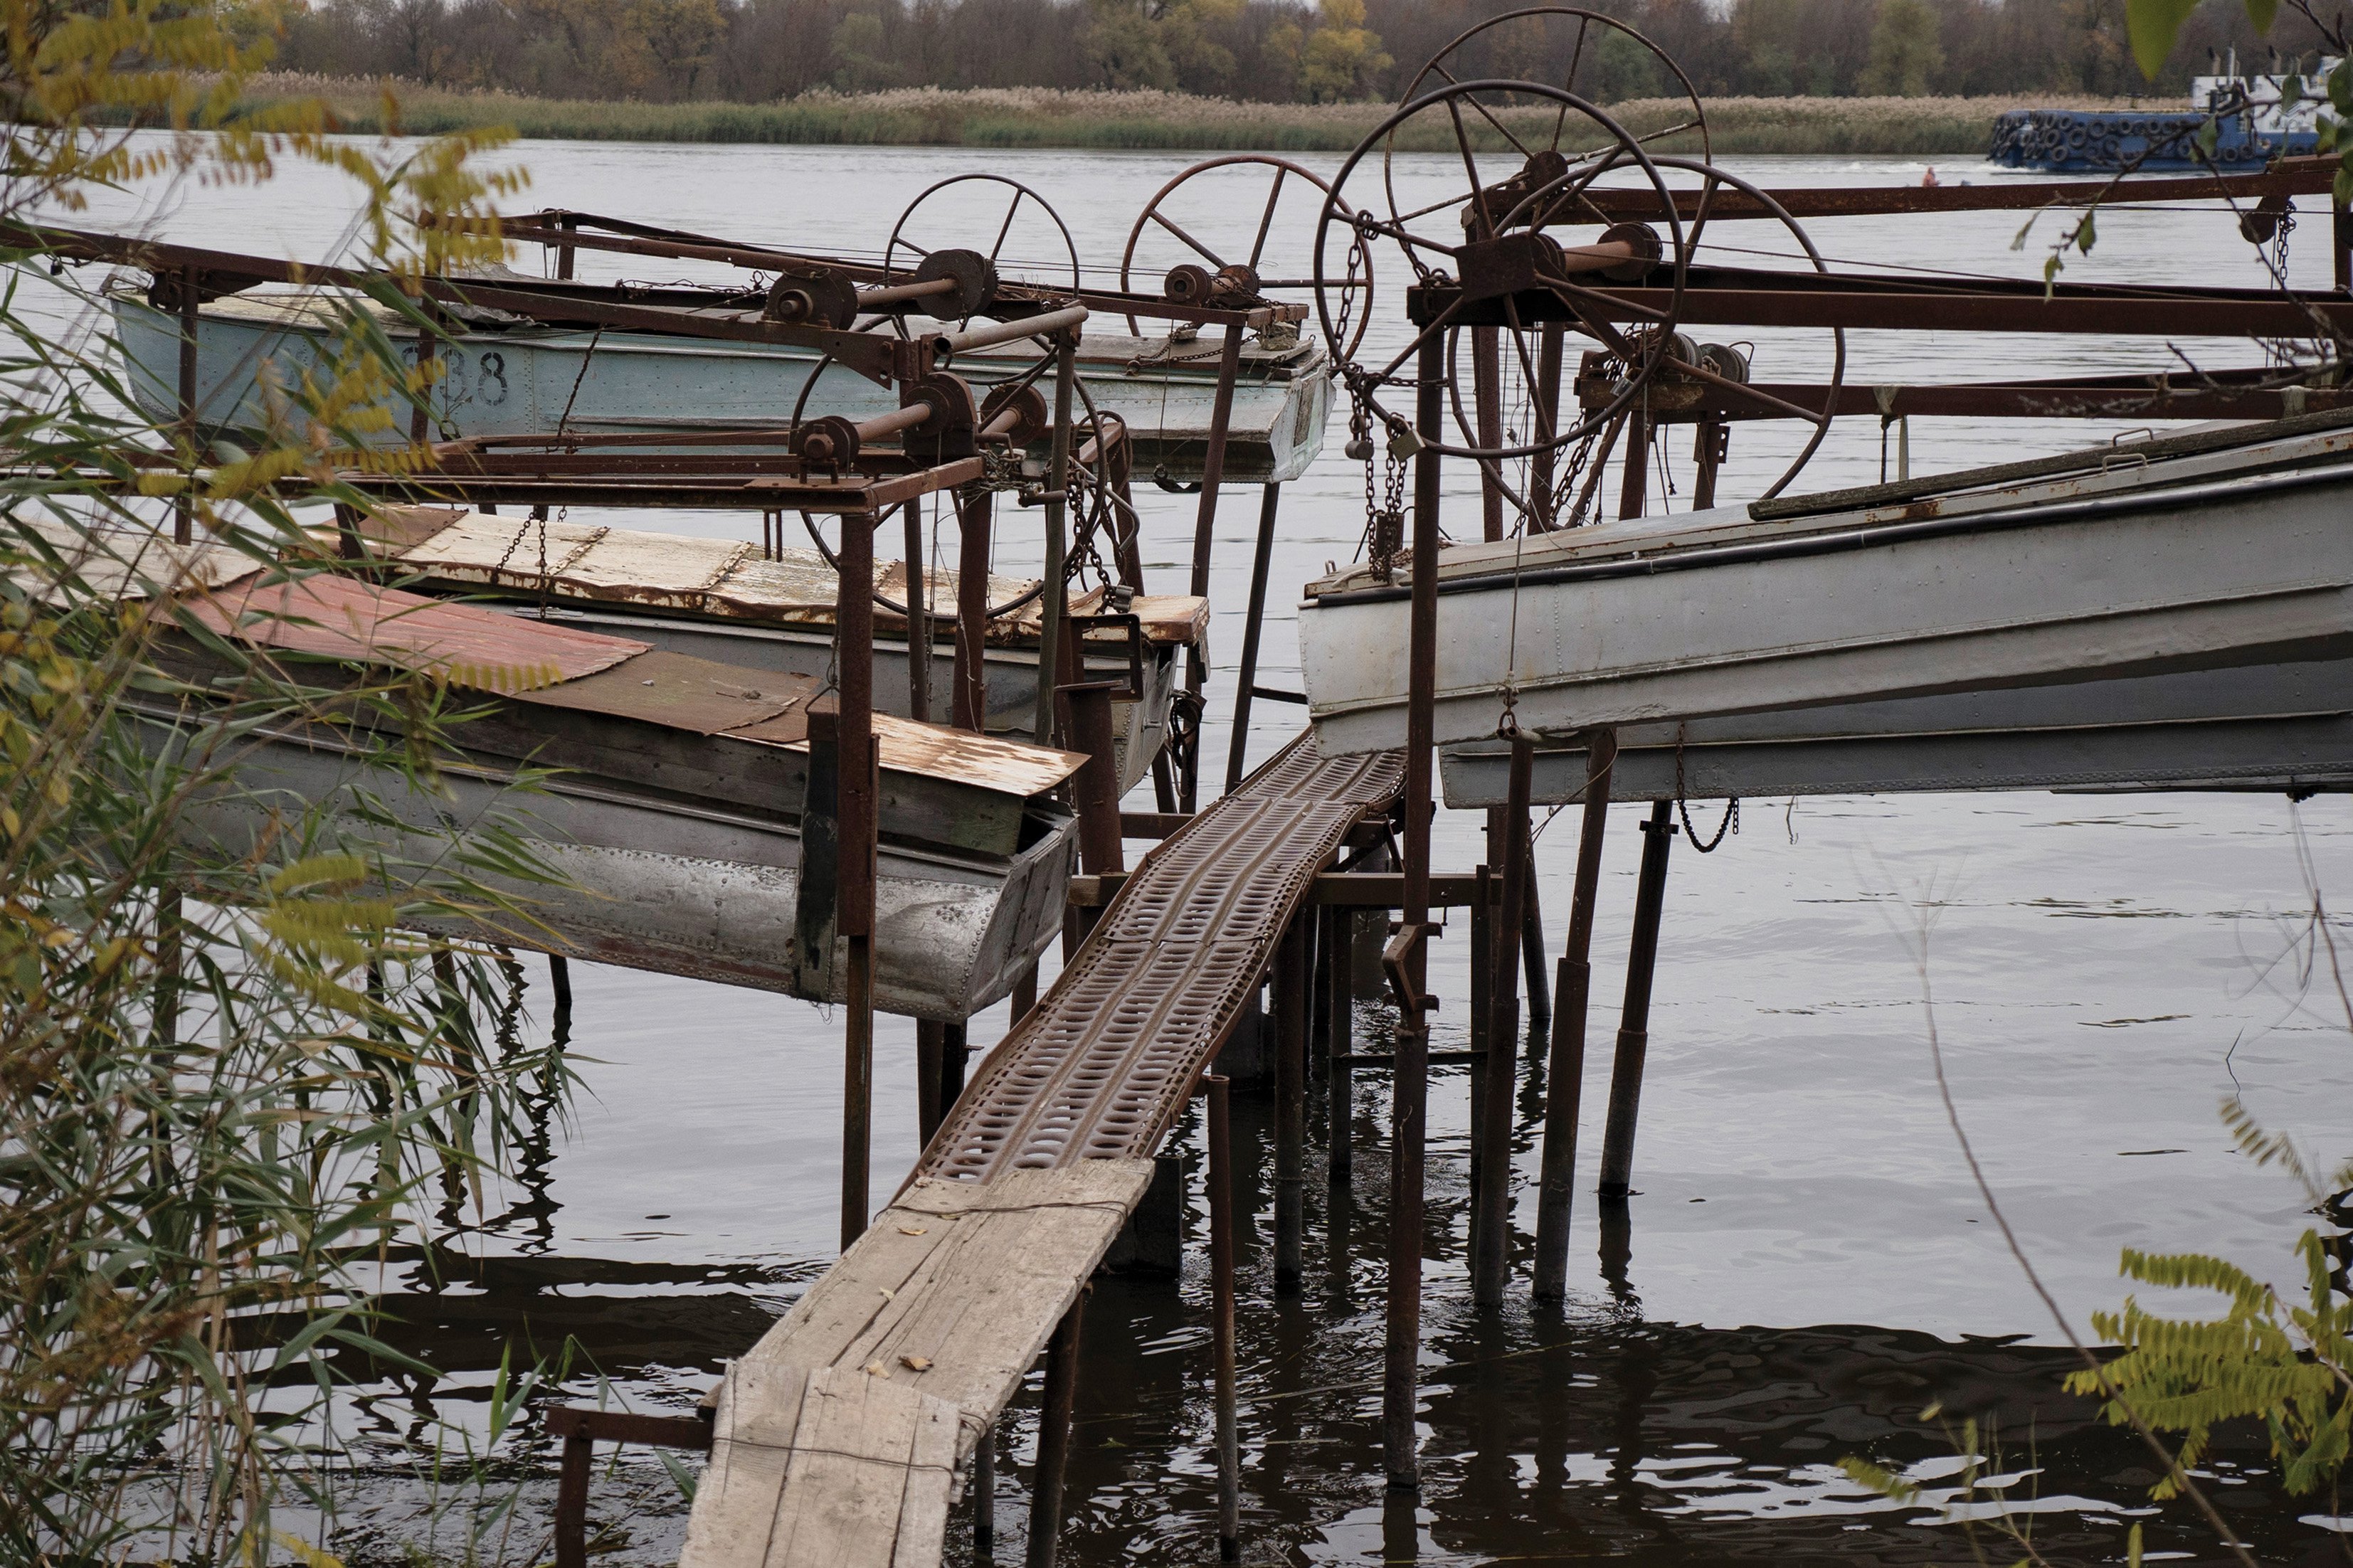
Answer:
(1277, 51)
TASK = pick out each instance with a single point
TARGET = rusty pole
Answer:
(984, 1496)
(1339, 978)
(1545, 403)
(1221, 1291)
(1487, 393)
(1634, 1025)
(1409, 1078)
(1491, 1267)
(1054, 1433)
(855, 824)
(1261, 564)
(1291, 983)
(1055, 603)
(1095, 787)
(1213, 475)
(931, 1036)
(1632, 496)
(1708, 452)
(184, 510)
(971, 704)
(1565, 1076)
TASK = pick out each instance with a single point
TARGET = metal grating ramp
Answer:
(1102, 1066)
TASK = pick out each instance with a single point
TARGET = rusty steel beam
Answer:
(2289, 177)
(1684, 403)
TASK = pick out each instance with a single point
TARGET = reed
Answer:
(1044, 116)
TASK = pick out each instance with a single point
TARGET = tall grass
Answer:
(1042, 116)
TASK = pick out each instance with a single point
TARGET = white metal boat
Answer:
(2236, 558)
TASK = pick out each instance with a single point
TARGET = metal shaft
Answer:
(1634, 1026)
(1221, 1290)
(1056, 602)
(1054, 1433)
(1237, 749)
(1291, 980)
(1490, 1266)
(1565, 1075)
(1409, 1079)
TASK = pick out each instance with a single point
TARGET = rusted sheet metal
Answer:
(341, 617)
(681, 692)
(2289, 177)
(905, 746)
(1101, 1067)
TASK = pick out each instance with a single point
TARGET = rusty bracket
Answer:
(1134, 626)
(1413, 1004)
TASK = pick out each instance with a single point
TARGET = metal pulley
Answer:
(973, 275)
(951, 428)
(829, 441)
(813, 297)
(1015, 412)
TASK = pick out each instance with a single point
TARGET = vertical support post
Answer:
(1565, 1076)
(559, 980)
(1291, 980)
(929, 1037)
(855, 818)
(1222, 1295)
(1546, 402)
(565, 254)
(1531, 951)
(919, 619)
(184, 510)
(971, 701)
(428, 349)
(1903, 446)
(1213, 476)
(1487, 393)
(1708, 452)
(169, 961)
(572, 1501)
(1480, 1017)
(1340, 1002)
(1409, 1078)
(1237, 750)
(1634, 1025)
(1632, 493)
(955, 1049)
(2340, 245)
(1055, 603)
(1095, 788)
(984, 1496)
(1490, 1266)
(1054, 1433)
(1025, 993)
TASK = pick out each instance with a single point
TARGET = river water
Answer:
(1807, 1265)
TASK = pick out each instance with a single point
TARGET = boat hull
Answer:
(1655, 623)
(669, 887)
(528, 380)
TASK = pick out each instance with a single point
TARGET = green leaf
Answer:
(2154, 25)
(2262, 13)
(2342, 191)
(2340, 89)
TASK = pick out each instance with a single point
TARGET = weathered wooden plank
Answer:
(837, 1438)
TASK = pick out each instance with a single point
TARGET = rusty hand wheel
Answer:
(1215, 223)
(1028, 239)
(1485, 257)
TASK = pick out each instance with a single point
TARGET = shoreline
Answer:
(1100, 120)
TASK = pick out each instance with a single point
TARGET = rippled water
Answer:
(2104, 969)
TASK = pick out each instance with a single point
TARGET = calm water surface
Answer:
(1807, 1265)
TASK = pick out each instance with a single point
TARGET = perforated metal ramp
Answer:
(1104, 1064)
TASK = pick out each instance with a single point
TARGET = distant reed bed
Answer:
(1043, 117)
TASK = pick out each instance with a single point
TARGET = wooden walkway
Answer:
(841, 1437)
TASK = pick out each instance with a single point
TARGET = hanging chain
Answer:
(1731, 823)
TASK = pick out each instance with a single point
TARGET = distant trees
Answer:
(1270, 51)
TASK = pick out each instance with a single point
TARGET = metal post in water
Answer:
(1054, 1433)
(1491, 1265)
(1409, 1078)
(1291, 982)
(984, 1496)
(855, 818)
(971, 704)
(1480, 1017)
(1531, 951)
(1565, 1075)
(1634, 1025)
(1056, 602)
(1221, 1293)
(1213, 476)
(1237, 750)
(1339, 947)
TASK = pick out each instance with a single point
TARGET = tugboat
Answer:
(2252, 127)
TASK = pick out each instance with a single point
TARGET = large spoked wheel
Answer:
(1215, 234)
(1580, 51)
(1478, 230)
(1028, 239)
